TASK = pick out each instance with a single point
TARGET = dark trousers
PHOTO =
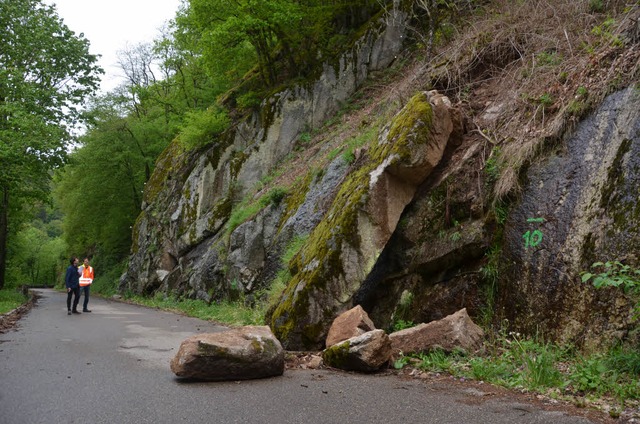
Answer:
(76, 298)
(85, 290)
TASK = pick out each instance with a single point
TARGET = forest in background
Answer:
(213, 62)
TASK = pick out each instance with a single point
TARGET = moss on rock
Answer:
(318, 267)
(337, 355)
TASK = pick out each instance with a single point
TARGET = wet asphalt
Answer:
(112, 366)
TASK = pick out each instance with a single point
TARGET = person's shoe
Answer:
(75, 312)
(86, 310)
(69, 312)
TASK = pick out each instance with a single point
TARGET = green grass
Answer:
(228, 313)
(527, 364)
(10, 299)
(249, 208)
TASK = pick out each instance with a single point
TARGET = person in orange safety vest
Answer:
(86, 278)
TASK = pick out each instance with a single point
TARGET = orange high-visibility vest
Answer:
(87, 276)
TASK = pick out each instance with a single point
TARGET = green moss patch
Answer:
(337, 355)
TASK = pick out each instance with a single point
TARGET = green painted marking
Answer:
(532, 238)
(535, 220)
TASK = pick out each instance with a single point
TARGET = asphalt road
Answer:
(112, 366)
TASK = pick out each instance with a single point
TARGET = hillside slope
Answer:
(365, 187)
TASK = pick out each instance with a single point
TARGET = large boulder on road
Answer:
(236, 354)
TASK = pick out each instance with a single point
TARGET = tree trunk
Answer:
(4, 231)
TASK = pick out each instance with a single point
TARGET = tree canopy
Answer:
(178, 88)
(46, 71)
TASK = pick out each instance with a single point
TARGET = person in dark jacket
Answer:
(72, 282)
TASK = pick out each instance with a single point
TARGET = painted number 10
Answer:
(532, 238)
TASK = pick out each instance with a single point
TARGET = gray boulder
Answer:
(236, 354)
(367, 352)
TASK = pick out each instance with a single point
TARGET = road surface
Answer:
(112, 366)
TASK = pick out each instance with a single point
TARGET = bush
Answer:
(202, 126)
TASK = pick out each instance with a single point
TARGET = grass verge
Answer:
(10, 299)
(605, 380)
(226, 312)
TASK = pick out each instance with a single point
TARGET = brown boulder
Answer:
(351, 323)
(236, 354)
(453, 331)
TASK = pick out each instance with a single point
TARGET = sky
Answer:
(111, 26)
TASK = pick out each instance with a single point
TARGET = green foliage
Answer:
(249, 100)
(349, 157)
(589, 375)
(549, 58)
(605, 31)
(403, 311)
(283, 37)
(438, 16)
(402, 324)
(46, 71)
(241, 214)
(36, 259)
(401, 362)
(279, 283)
(275, 196)
(293, 248)
(497, 370)
(10, 299)
(358, 141)
(107, 279)
(305, 138)
(545, 100)
(538, 361)
(596, 6)
(520, 362)
(228, 312)
(492, 166)
(577, 107)
(615, 274)
(249, 208)
(100, 189)
(490, 273)
(621, 360)
(438, 360)
(525, 363)
(202, 126)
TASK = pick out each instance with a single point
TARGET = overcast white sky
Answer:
(111, 25)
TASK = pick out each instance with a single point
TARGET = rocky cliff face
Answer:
(180, 242)
(405, 226)
(579, 206)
